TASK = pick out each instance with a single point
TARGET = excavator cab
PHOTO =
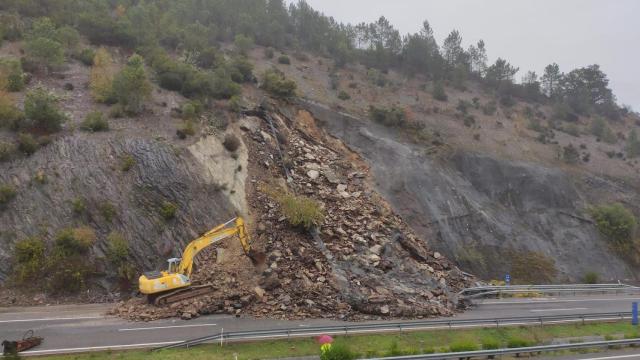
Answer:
(174, 264)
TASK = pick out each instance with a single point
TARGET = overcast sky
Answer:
(528, 33)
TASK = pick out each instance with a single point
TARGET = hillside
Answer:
(374, 190)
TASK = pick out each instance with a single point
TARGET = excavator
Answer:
(174, 284)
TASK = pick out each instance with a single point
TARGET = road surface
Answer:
(73, 328)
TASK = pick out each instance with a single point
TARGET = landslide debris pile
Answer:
(363, 262)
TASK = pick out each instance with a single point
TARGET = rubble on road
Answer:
(363, 263)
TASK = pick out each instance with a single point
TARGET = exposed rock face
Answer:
(88, 166)
(490, 215)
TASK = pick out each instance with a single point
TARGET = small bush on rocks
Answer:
(615, 222)
(168, 210)
(6, 150)
(27, 144)
(95, 121)
(29, 256)
(275, 83)
(591, 277)
(41, 107)
(301, 211)
(127, 162)
(187, 129)
(231, 142)
(284, 59)
(7, 193)
(343, 95)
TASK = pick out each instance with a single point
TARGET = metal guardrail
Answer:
(531, 349)
(476, 292)
(398, 326)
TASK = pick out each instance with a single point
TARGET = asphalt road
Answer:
(627, 354)
(71, 328)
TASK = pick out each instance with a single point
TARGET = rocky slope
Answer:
(492, 216)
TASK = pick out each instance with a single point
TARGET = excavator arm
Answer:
(213, 236)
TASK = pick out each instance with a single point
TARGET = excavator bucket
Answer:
(258, 258)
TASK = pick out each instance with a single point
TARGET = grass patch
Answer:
(378, 345)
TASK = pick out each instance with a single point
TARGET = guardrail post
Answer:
(400, 327)
(346, 331)
(288, 334)
(582, 319)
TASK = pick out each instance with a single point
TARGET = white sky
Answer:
(528, 33)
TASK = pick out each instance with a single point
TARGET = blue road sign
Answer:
(507, 279)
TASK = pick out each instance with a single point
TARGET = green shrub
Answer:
(78, 205)
(44, 53)
(222, 85)
(490, 108)
(240, 69)
(393, 116)
(571, 129)
(490, 344)
(300, 210)
(41, 107)
(29, 255)
(188, 111)
(27, 144)
(591, 277)
(284, 59)
(236, 104)
(243, 43)
(186, 129)
(11, 71)
(67, 36)
(269, 53)
(633, 145)
(343, 95)
(7, 149)
(131, 86)
(231, 142)
(10, 116)
(7, 193)
(338, 351)
(117, 254)
(168, 210)
(68, 265)
(95, 121)
(75, 241)
(275, 83)
(615, 222)
(463, 345)
(108, 211)
(601, 130)
(438, 92)
(117, 249)
(86, 56)
(127, 162)
(516, 342)
(570, 154)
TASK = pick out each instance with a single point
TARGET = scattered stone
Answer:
(313, 174)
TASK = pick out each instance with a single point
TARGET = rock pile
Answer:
(363, 261)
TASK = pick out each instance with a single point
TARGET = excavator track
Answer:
(181, 294)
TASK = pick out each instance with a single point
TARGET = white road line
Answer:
(615, 357)
(52, 319)
(166, 327)
(552, 301)
(569, 309)
(97, 348)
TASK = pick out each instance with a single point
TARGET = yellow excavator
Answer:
(174, 284)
